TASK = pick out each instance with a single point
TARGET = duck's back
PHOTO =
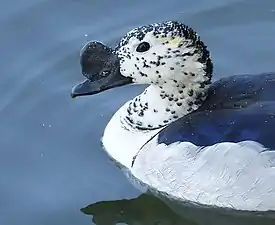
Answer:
(222, 154)
(240, 91)
(238, 108)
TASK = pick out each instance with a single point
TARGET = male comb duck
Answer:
(196, 141)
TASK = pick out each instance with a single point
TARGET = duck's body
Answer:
(221, 155)
(207, 144)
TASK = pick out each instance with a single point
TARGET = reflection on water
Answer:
(149, 210)
(145, 210)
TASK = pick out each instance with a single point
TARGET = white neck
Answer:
(159, 105)
(142, 117)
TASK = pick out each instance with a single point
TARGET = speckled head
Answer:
(164, 52)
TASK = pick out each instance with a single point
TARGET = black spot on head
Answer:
(176, 51)
(179, 104)
(172, 68)
(143, 74)
(187, 54)
(146, 65)
(141, 113)
(160, 57)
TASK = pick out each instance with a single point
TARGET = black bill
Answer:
(100, 66)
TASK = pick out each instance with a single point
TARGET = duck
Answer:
(197, 141)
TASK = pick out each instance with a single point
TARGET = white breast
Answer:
(235, 175)
(122, 144)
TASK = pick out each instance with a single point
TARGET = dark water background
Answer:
(51, 161)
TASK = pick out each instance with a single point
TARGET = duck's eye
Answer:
(143, 47)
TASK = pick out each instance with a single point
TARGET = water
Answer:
(51, 161)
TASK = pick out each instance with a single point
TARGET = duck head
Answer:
(156, 54)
